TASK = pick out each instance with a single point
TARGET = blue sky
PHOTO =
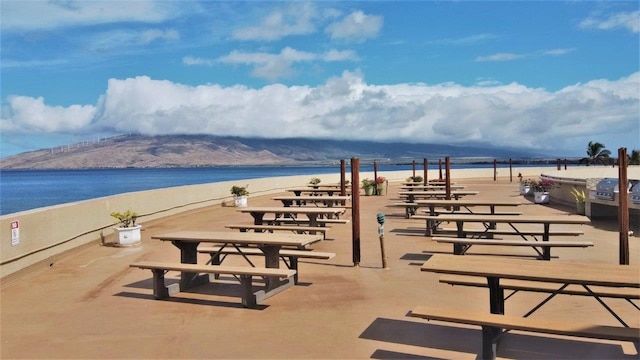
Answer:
(543, 76)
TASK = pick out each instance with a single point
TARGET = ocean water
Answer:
(22, 190)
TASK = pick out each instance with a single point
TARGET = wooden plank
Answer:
(536, 286)
(296, 240)
(214, 269)
(570, 328)
(309, 254)
(513, 242)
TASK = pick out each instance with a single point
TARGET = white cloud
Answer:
(626, 20)
(298, 19)
(356, 27)
(46, 14)
(347, 107)
(471, 39)
(500, 57)
(121, 39)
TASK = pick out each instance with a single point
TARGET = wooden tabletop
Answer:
(291, 210)
(526, 219)
(468, 202)
(438, 192)
(244, 238)
(586, 273)
(312, 198)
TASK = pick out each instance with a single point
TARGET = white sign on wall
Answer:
(15, 233)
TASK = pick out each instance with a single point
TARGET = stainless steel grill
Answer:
(635, 193)
(606, 189)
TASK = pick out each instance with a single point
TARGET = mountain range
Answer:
(138, 151)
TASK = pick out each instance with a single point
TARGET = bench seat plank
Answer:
(536, 286)
(466, 241)
(321, 221)
(493, 324)
(512, 232)
(245, 273)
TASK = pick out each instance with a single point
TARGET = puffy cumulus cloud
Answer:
(28, 115)
(297, 19)
(356, 27)
(347, 107)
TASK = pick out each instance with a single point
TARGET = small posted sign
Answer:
(15, 233)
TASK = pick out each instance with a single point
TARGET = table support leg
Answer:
(496, 295)
(189, 255)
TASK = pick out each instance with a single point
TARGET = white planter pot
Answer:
(525, 189)
(128, 236)
(240, 201)
(541, 197)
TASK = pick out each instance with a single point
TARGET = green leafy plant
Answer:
(366, 182)
(314, 181)
(127, 218)
(239, 190)
(416, 179)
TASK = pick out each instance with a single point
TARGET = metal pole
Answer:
(355, 209)
(623, 206)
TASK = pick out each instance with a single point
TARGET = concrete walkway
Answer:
(89, 304)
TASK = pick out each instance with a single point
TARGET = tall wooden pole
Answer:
(440, 168)
(495, 169)
(623, 206)
(355, 209)
(375, 177)
(565, 164)
(426, 171)
(510, 170)
(413, 164)
(343, 178)
(558, 164)
(448, 181)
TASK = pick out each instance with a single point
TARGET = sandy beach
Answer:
(90, 304)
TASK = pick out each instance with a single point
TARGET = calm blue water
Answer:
(29, 189)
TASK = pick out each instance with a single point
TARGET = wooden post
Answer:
(375, 177)
(426, 171)
(495, 170)
(355, 209)
(440, 168)
(510, 171)
(558, 164)
(414, 168)
(565, 164)
(343, 178)
(623, 206)
(448, 181)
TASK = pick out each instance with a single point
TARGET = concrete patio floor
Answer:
(89, 304)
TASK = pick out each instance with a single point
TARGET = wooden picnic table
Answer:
(585, 274)
(490, 222)
(330, 191)
(430, 187)
(269, 243)
(301, 200)
(432, 204)
(312, 213)
(431, 194)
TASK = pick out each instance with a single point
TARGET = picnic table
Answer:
(587, 275)
(433, 194)
(312, 213)
(270, 244)
(456, 205)
(490, 221)
(301, 200)
(430, 187)
(330, 191)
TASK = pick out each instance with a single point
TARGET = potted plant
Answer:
(380, 185)
(541, 190)
(240, 194)
(367, 185)
(525, 185)
(581, 199)
(314, 182)
(128, 232)
(415, 179)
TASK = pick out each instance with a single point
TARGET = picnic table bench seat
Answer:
(244, 273)
(494, 324)
(298, 229)
(218, 254)
(491, 232)
(542, 287)
(301, 222)
(461, 245)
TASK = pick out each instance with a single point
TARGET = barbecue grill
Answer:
(635, 193)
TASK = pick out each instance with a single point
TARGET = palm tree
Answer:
(596, 153)
(634, 158)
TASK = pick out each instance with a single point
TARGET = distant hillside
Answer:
(205, 150)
